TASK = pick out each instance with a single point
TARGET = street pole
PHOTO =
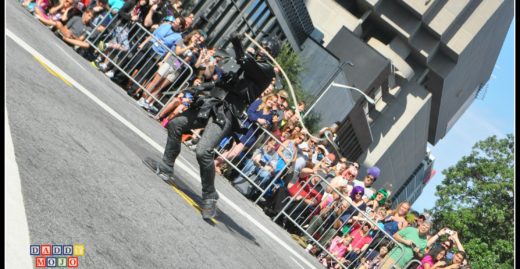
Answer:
(370, 100)
(317, 100)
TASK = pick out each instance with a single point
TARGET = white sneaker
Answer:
(140, 102)
(110, 74)
(146, 105)
(153, 110)
(103, 67)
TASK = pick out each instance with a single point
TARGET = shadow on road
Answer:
(222, 218)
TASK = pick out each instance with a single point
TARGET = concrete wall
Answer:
(329, 17)
(321, 68)
(474, 67)
(399, 134)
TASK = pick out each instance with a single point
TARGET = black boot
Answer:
(164, 171)
(209, 206)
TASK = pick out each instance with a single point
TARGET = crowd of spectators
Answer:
(326, 206)
(337, 217)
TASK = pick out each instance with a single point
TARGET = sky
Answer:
(492, 115)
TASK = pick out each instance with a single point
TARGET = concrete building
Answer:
(423, 61)
(412, 188)
(287, 19)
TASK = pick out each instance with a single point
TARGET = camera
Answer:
(413, 245)
(450, 232)
(262, 162)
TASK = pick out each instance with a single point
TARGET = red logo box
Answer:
(72, 262)
(41, 262)
(46, 250)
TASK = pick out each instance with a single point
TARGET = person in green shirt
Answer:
(413, 241)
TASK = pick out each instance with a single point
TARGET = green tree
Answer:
(476, 199)
(293, 65)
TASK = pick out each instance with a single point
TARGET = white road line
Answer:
(16, 244)
(181, 164)
(297, 263)
(59, 47)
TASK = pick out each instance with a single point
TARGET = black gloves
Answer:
(236, 40)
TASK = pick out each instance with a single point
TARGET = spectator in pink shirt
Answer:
(361, 241)
(434, 259)
(338, 247)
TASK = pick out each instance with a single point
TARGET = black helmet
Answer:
(272, 45)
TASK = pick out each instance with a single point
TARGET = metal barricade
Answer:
(413, 264)
(118, 43)
(262, 182)
(321, 213)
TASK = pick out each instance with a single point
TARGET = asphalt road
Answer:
(82, 179)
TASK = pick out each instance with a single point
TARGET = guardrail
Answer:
(317, 210)
(307, 213)
(413, 264)
(255, 180)
(118, 45)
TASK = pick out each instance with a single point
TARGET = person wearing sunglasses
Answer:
(371, 177)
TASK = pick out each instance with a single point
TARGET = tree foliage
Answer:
(293, 65)
(476, 199)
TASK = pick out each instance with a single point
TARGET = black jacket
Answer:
(242, 88)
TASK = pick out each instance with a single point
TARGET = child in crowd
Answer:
(338, 247)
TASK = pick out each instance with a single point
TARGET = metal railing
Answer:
(122, 40)
(262, 182)
(306, 212)
(318, 226)
(413, 264)
(320, 216)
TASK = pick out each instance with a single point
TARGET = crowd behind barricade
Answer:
(301, 182)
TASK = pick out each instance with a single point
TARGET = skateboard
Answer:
(152, 165)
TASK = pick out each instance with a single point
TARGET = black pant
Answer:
(213, 134)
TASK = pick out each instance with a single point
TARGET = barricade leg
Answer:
(389, 263)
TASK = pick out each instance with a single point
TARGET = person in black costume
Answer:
(218, 112)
